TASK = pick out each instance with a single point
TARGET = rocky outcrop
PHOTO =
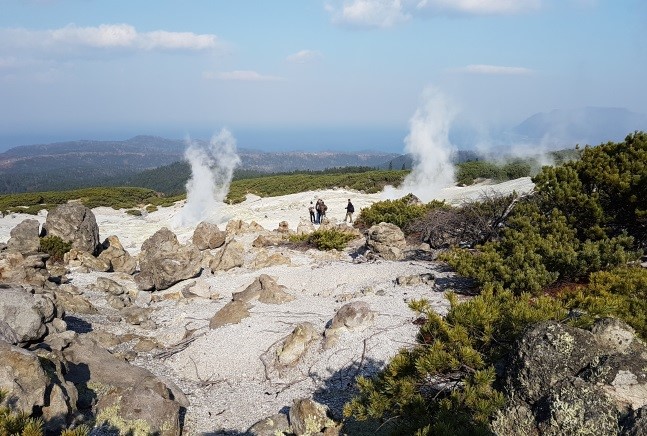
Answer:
(75, 223)
(308, 417)
(416, 279)
(265, 289)
(231, 255)
(297, 343)
(239, 227)
(565, 380)
(16, 268)
(264, 259)
(386, 240)
(27, 314)
(163, 261)
(123, 396)
(208, 236)
(24, 238)
(114, 254)
(354, 316)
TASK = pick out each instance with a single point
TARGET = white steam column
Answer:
(428, 143)
(212, 168)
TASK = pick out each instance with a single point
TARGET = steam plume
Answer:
(212, 167)
(429, 145)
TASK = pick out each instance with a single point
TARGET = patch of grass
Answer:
(55, 247)
(276, 185)
(327, 239)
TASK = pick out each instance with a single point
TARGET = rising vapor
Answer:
(428, 143)
(212, 167)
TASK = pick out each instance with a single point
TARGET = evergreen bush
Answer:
(55, 247)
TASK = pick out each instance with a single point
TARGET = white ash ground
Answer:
(224, 372)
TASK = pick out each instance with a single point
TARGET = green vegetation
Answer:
(18, 423)
(446, 383)
(275, 185)
(134, 212)
(468, 172)
(117, 198)
(326, 239)
(586, 215)
(567, 249)
(401, 212)
(55, 247)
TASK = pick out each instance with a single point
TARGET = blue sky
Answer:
(307, 73)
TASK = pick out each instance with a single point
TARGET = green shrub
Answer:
(55, 247)
(620, 292)
(536, 250)
(17, 422)
(134, 212)
(151, 208)
(327, 239)
(400, 212)
(446, 383)
(468, 172)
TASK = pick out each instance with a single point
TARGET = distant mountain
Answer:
(74, 164)
(405, 161)
(590, 125)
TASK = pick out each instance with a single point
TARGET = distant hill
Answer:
(590, 125)
(75, 164)
(405, 161)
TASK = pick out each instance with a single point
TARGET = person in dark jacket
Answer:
(349, 211)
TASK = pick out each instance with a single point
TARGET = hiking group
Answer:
(318, 211)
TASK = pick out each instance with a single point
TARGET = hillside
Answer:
(33, 168)
(589, 125)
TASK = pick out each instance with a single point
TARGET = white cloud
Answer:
(304, 56)
(241, 75)
(478, 7)
(388, 13)
(73, 39)
(369, 13)
(493, 69)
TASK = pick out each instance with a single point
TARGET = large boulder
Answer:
(231, 255)
(163, 261)
(208, 236)
(24, 238)
(75, 223)
(16, 268)
(307, 417)
(114, 254)
(123, 396)
(27, 314)
(566, 380)
(354, 316)
(22, 377)
(387, 240)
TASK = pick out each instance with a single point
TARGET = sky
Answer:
(304, 74)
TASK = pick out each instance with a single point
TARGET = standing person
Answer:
(349, 211)
(319, 210)
(311, 209)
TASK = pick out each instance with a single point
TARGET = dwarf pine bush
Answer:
(55, 247)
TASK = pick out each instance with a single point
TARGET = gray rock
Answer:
(163, 261)
(24, 238)
(307, 417)
(26, 313)
(75, 223)
(109, 286)
(16, 268)
(265, 259)
(386, 240)
(635, 424)
(266, 290)
(575, 407)
(231, 255)
(208, 236)
(22, 377)
(128, 397)
(297, 343)
(547, 354)
(231, 313)
(114, 254)
(271, 426)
